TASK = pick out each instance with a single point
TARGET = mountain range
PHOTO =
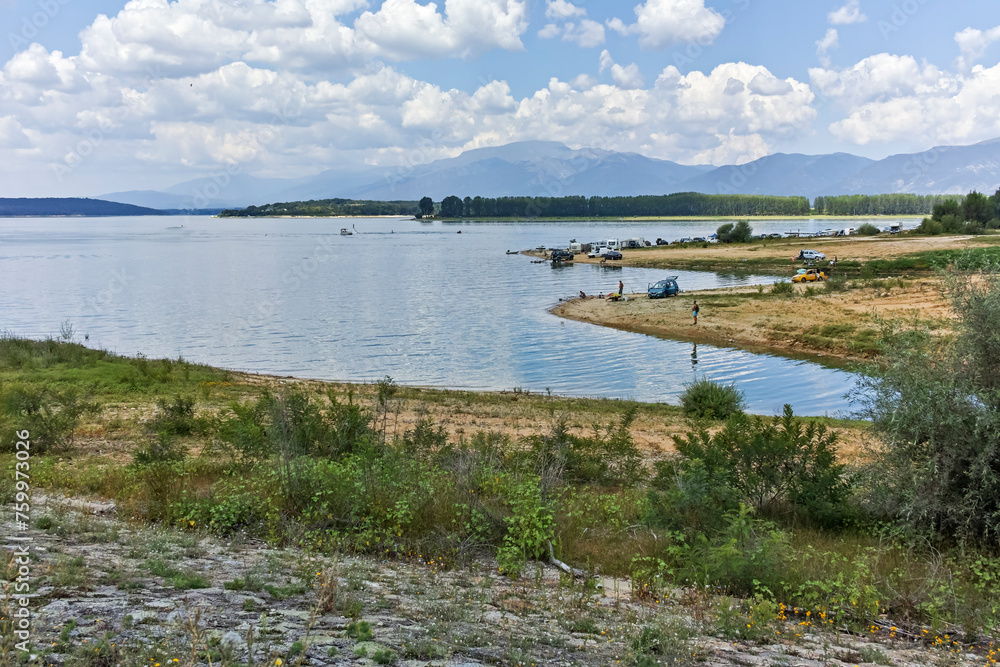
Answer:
(549, 168)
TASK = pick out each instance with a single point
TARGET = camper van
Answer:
(847, 231)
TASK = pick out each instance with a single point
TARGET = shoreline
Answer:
(833, 328)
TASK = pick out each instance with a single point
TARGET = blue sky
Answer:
(102, 96)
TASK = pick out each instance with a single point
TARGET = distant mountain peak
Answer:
(551, 168)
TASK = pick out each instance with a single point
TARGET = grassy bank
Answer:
(457, 477)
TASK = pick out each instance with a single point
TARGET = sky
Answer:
(100, 96)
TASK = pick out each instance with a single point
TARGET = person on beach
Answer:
(621, 288)
(694, 312)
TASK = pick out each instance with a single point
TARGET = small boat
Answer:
(512, 252)
(344, 231)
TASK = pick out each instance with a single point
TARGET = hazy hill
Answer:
(940, 170)
(780, 174)
(69, 206)
(540, 168)
(532, 168)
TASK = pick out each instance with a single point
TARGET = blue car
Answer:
(663, 288)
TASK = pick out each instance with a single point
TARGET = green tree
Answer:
(977, 207)
(426, 206)
(936, 405)
(742, 232)
(725, 232)
(451, 207)
(947, 207)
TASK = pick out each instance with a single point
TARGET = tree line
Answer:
(325, 208)
(680, 204)
(887, 204)
(674, 205)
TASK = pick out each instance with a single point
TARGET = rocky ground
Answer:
(111, 592)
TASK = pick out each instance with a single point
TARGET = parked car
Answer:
(810, 255)
(699, 239)
(684, 240)
(612, 254)
(561, 256)
(598, 251)
(663, 288)
(808, 276)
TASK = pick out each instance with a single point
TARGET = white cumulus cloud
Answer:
(624, 77)
(823, 46)
(849, 13)
(561, 9)
(972, 42)
(664, 23)
(890, 98)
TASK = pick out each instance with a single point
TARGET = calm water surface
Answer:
(416, 301)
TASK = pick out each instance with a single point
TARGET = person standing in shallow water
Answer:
(694, 312)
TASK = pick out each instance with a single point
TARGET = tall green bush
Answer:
(936, 406)
(707, 399)
(772, 464)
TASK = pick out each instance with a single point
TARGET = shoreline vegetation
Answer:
(682, 205)
(339, 522)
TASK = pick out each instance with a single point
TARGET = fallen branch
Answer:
(583, 574)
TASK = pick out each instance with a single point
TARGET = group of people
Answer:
(621, 294)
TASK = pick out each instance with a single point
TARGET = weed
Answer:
(359, 630)
(385, 657)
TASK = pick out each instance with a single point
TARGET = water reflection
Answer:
(421, 304)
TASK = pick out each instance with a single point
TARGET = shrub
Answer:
(49, 415)
(836, 283)
(771, 463)
(930, 226)
(707, 399)
(176, 417)
(609, 457)
(782, 287)
(936, 405)
(162, 448)
(867, 229)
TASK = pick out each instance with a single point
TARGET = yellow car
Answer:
(808, 276)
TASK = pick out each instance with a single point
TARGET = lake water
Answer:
(416, 301)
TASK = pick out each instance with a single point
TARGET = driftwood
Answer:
(582, 574)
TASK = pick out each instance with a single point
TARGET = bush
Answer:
(711, 400)
(176, 417)
(49, 415)
(836, 283)
(936, 406)
(867, 229)
(930, 227)
(782, 287)
(162, 448)
(772, 463)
